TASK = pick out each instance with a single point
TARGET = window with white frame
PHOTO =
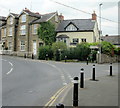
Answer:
(11, 20)
(10, 31)
(22, 45)
(23, 30)
(71, 27)
(23, 18)
(35, 29)
(62, 40)
(83, 40)
(4, 32)
(9, 45)
(75, 40)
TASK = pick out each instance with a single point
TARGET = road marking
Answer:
(55, 97)
(11, 67)
(9, 71)
(10, 63)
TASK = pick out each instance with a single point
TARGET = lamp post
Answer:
(100, 33)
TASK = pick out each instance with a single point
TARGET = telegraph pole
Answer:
(100, 33)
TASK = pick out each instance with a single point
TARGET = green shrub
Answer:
(45, 52)
(117, 50)
(59, 48)
(82, 51)
(107, 47)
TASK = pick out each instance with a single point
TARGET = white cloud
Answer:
(109, 8)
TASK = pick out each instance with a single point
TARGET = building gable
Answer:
(71, 27)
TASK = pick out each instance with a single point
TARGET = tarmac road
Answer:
(27, 82)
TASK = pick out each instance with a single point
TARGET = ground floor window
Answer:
(83, 40)
(62, 40)
(75, 40)
(9, 45)
(22, 45)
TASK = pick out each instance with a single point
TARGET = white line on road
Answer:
(9, 71)
(10, 63)
(11, 67)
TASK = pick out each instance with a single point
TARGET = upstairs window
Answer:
(83, 40)
(23, 30)
(34, 29)
(10, 31)
(11, 20)
(23, 18)
(71, 27)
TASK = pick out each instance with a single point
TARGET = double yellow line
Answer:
(55, 96)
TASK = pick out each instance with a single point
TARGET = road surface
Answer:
(27, 82)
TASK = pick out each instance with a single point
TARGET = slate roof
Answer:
(81, 24)
(16, 15)
(2, 18)
(112, 39)
(32, 14)
(62, 36)
(44, 18)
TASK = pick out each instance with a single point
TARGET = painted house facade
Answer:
(75, 31)
(19, 34)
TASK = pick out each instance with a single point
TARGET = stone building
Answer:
(19, 33)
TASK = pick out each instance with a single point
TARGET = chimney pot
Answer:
(94, 16)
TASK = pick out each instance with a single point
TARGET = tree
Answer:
(46, 32)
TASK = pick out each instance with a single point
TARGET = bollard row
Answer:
(75, 87)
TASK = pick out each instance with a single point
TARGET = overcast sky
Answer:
(109, 10)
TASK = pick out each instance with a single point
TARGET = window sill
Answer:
(22, 50)
(34, 33)
(23, 35)
(3, 36)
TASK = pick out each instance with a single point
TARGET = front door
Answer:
(34, 47)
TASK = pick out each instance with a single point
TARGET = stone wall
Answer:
(108, 59)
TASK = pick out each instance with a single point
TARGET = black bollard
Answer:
(59, 105)
(24, 55)
(93, 77)
(75, 92)
(110, 69)
(32, 56)
(82, 78)
(46, 56)
(87, 60)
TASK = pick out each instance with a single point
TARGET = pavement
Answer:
(103, 92)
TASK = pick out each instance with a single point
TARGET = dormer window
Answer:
(23, 18)
(11, 20)
(71, 27)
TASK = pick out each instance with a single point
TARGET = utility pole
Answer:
(100, 33)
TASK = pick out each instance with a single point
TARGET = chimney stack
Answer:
(94, 16)
(61, 17)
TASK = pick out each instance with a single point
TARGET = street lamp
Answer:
(100, 33)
